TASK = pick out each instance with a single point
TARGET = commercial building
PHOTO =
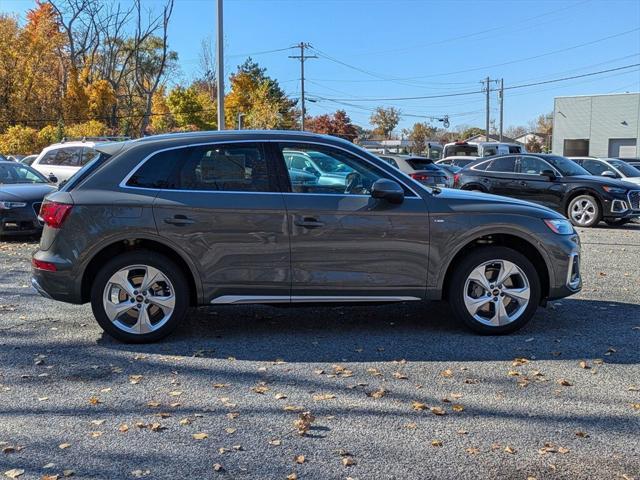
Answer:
(597, 125)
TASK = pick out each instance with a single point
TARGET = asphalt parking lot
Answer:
(396, 391)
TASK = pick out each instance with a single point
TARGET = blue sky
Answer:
(408, 48)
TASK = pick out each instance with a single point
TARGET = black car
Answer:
(556, 182)
(21, 192)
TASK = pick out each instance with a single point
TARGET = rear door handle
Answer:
(308, 222)
(179, 220)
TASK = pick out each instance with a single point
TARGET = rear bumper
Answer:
(62, 285)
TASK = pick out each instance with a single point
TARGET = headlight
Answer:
(616, 190)
(560, 226)
(10, 205)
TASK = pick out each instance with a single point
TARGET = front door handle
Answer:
(308, 222)
(179, 220)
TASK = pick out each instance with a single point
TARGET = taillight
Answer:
(53, 214)
(456, 178)
(40, 265)
(419, 176)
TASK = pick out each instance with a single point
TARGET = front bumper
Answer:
(566, 278)
(622, 206)
(19, 221)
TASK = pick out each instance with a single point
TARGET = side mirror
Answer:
(387, 190)
(53, 178)
(550, 174)
(609, 173)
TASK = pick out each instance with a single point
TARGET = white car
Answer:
(62, 160)
(609, 167)
(458, 160)
(481, 149)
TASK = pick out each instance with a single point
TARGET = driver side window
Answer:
(326, 170)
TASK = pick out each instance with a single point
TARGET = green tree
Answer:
(419, 135)
(189, 110)
(385, 120)
(471, 132)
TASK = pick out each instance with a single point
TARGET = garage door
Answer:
(623, 147)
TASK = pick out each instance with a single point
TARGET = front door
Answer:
(220, 204)
(536, 187)
(346, 245)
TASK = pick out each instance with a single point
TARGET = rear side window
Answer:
(502, 164)
(422, 164)
(68, 157)
(229, 168)
(49, 158)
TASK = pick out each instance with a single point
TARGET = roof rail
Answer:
(102, 138)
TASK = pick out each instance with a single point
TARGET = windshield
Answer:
(328, 164)
(12, 173)
(566, 167)
(422, 164)
(460, 150)
(626, 169)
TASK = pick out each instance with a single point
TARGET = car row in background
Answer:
(421, 169)
(556, 182)
(22, 190)
(62, 160)
(609, 167)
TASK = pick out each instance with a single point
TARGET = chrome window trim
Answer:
(123, 183)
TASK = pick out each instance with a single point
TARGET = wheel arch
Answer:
(511, 240)
(474, 186)
(114, 247)
(582, 191)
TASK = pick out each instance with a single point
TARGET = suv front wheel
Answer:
(584, 211)
(494, 290)
(139, 297)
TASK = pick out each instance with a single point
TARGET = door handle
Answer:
(308, 222)
(523, 183)
(179, 220)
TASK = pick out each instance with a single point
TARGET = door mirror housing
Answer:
(550, 174)
(609, 173)
(387, 190)
(53, 178)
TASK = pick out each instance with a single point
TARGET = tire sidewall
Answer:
(162, 263)
(597, 216)
(464, 269)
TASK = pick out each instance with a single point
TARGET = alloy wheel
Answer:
(583, 211)
(139, 299)
(497, 292)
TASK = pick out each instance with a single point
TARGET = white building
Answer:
(597, 125)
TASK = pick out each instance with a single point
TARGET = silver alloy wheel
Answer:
(497, 292)
(583, 211)
(139, 299)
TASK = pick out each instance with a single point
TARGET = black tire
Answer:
(476, 258)
(594, 218)
(141, 257)
(616, 222)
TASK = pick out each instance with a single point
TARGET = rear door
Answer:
(500, 177)
(536, 187)
(220, 203)
(345, 245)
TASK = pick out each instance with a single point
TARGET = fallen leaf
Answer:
(153, 404)
(299, 459)
(293, 408)
(275, 442)
(378, 393)
(97, 422)
(96, 434)
(324, 396)
(411, 425)
(436, 443)
(584, 364)
(230, 431)
(200, 436)
(446, 373)
(68, 473)
(14, 472)
(175, 393)
(140, 473)
(94, 400)
(50, 477)
(292, 476)
(220, 385)
(280, 396)
(260, 388)
(437, 411)
(582, 434)
(217, 467)
(456, 407)
(472, 450)
(510, 450)
(135, 379)
(348, 461)
(156, 427)
(62, 446)
(303, 423)
(564, 382)
(517, 362)
(419, 406)
(185, 421)
(123, 427)
(400, 376)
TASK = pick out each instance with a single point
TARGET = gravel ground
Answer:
(376, 379)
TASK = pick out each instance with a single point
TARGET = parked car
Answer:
(15, 157)
(421, 169)
(634, 162)
(155, 225)
(62, 160)
(21, 192)
(28, 160)
(558, 183)
(458, 161)
(481, 149)
(609, 167)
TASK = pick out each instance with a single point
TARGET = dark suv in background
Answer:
(555, 182)
(153, 226)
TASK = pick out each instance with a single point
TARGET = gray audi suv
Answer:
(151, 227)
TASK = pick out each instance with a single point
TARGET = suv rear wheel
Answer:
(584, 211)
(139, 297)
(494, 290)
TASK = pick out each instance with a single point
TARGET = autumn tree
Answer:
(338, 124)
(260, 98)
(419, 135)
(385, 120)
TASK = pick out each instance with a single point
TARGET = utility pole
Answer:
(486, 132)
(501, 106)
(220, 67)
(302, 58)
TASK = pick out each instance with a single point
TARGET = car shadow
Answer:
(413, 331)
